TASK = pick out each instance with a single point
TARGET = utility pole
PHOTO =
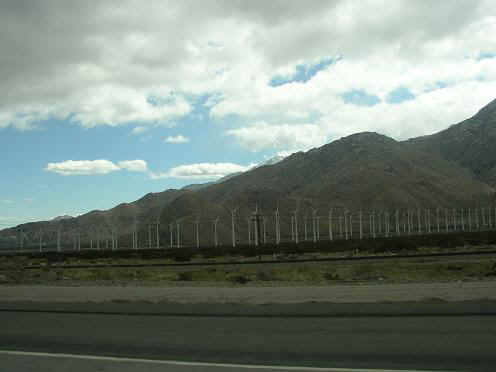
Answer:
(454, 219)
(296, 226)
(446, 219)
(178, 231)
(437, 220)
(489, 223)
(149, 236)
(197, 234)
(361, 224)
(98, 238)
(314, 225)
(419, 222)
(256, 227)
(305, 221)
(158, 234)
(233, 212)
(40, 240)
(373, 224)
(330, 225)
(171, 230)
(469, 220)
(58, 239)
(351, 225)
(292, 229)
(249, 230)
(370, 224)
(345, 224)
(462, 220)
(397, 223)
(264, 230)
(386, 215)
(278, 232)
(216, 240)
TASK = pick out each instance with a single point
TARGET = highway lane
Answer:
(426, 342)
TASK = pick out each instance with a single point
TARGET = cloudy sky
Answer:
(102, 102)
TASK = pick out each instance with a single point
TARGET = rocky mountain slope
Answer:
(471, 144)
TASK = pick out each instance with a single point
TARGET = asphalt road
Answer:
(423, 341)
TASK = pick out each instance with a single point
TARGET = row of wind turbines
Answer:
(272, 227)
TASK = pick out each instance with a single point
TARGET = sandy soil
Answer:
(366, 293)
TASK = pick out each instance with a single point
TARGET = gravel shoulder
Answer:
(357, 293)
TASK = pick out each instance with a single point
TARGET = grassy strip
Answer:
(420, 270)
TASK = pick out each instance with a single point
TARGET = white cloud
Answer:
(201, 171)
(177, 139)
(6, 201)
(91, 167)
(134, 165)
(82, 167)
(278, 136)
(102, 66)
(139, 130)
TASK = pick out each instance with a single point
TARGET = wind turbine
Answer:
(197, 233)
(277, 226)
(171, 230)
(216, 240)
(158, 231)
(178, 231)
(314, 224)
(330, 224)
(296, 226)
(41, 239)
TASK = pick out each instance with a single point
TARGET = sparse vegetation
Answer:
(433, 269)
(12, 268)
(186, 276)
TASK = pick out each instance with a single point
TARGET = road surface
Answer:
(426, 340)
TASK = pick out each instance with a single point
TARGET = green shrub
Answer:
(185, 276)
(239, 279)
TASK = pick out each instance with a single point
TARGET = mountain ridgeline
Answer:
(453, 168)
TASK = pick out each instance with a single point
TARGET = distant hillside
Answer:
(60, 218)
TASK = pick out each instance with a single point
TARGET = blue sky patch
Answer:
(486, 55)
(360, 98)
(304, 72)
(399, 95)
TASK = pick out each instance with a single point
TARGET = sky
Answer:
(103, 102)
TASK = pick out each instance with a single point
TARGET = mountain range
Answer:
(455, 167)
